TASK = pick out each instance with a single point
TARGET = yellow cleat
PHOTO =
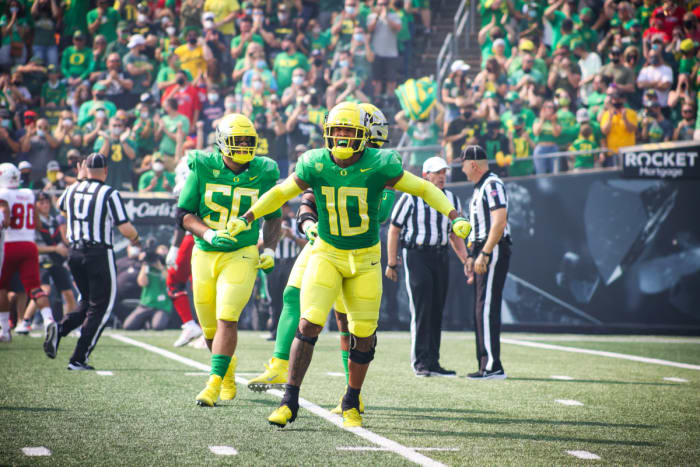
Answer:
(274, 376)
(281, 416)
(228, 384)
(339, 408)
(210, 394)
(352, 417)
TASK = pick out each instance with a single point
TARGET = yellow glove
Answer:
(220, 239)
(461, 227)
(267, 260)
(509, 159)
(500, 160)
(236, 225)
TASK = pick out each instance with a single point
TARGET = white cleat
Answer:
(5, 337)
(23, 328)
(190, 332)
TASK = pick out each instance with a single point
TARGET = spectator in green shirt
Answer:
(157, 179)
(88, 109)
(14, 25)
(53, 91)
(586, 140)
(168, 126)
(286, 62)
(239, 44)
(520, 145)
(155, 307)
(120, 45)
(76, 60)
(103, 20)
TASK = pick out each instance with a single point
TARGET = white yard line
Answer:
(223, 450)
(333, 373)
(374, 438)
(104, 373)
(584, 455)
(568, 402)
(562, 377)
(602, 353)
(375, 448)
(36, 451)
(675, 380)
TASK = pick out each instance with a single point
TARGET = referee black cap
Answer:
(96, 161)
(473, 153)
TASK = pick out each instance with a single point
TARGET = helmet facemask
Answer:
(344, 147)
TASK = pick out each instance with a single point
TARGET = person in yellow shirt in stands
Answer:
(224, 15)
(195, 53)
(619, 126)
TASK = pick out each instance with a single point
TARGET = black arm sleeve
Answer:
(180, 214)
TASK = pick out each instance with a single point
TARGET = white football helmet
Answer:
(9, 176)
(378, 125)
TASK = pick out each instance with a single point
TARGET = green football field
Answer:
(561, 404)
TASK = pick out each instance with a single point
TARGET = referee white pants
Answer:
(488, 293)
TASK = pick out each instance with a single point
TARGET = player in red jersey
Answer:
(20, 253)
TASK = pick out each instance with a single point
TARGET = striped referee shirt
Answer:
(420, 224)
(287, 248)
(92, 209)
(489, 195)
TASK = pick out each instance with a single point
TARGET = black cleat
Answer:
(51, 340)
(79, 366)
(437, 370)
(484, 374)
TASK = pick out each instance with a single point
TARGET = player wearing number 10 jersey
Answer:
(221, 185)
(20, 253)
(347, 180)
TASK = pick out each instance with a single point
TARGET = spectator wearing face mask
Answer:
(137, 65)
(586, 140)
(92, 108)
(69, 137)
(281, 27)
(54, 179)
(515, 108)
(618, 124)
(120, 152)
(195, 54)
(120, 45)
(157, 179)
(299, 128)
(53, 91)
(296, 89)
(655, 128)
(421, 133)
(77, 61)
(168, 126)
(189, 102)
(143, 130)
(344, 23)
(167, 74)
(362, 55)
(239, 44)
(685, 128)
(38, 145)
(546, 130)
(287, 61)
(9, 146)
(520, 145)
(103, 20)
(212, 110)
(255, 97)
(461, 131)
(617, 73)
(656, 75)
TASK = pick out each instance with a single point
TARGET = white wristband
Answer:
(209, 236)
(268, 252)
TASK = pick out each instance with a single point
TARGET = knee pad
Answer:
(177, 289)
(362, 348)
(37, 294)
(303, 338)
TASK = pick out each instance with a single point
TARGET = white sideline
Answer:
(568, 402)
(584, 455)
(603, 353)
(36, 451)
(390, 445)
(223, 450)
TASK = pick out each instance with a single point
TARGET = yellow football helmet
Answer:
(346, 115)
(236, 138)
(378, 125)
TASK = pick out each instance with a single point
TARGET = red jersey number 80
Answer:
(19, 213)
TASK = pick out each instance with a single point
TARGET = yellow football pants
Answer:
(297, 274)
(222, 283)
(356, 273)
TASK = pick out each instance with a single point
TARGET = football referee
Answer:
(92, 209)
(489, 256)
(424, 235)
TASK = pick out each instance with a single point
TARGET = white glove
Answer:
(171, 257)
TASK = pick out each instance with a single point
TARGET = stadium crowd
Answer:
(143, 82)
(572, 75)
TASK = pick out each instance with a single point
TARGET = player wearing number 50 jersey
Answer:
(347, 180)
(221, 185)
(20, 253)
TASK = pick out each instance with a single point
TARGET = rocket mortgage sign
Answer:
(663, 160)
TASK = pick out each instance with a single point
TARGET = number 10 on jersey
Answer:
(340, 210)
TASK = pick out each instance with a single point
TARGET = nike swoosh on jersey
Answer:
(373, 263)
(253, 178)
(365, 170)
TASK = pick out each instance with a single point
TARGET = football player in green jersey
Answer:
(348, 180)
(221, 185)
(275, 374)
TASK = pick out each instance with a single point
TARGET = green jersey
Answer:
(155, 294)
(348, 198)
(216, 194)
